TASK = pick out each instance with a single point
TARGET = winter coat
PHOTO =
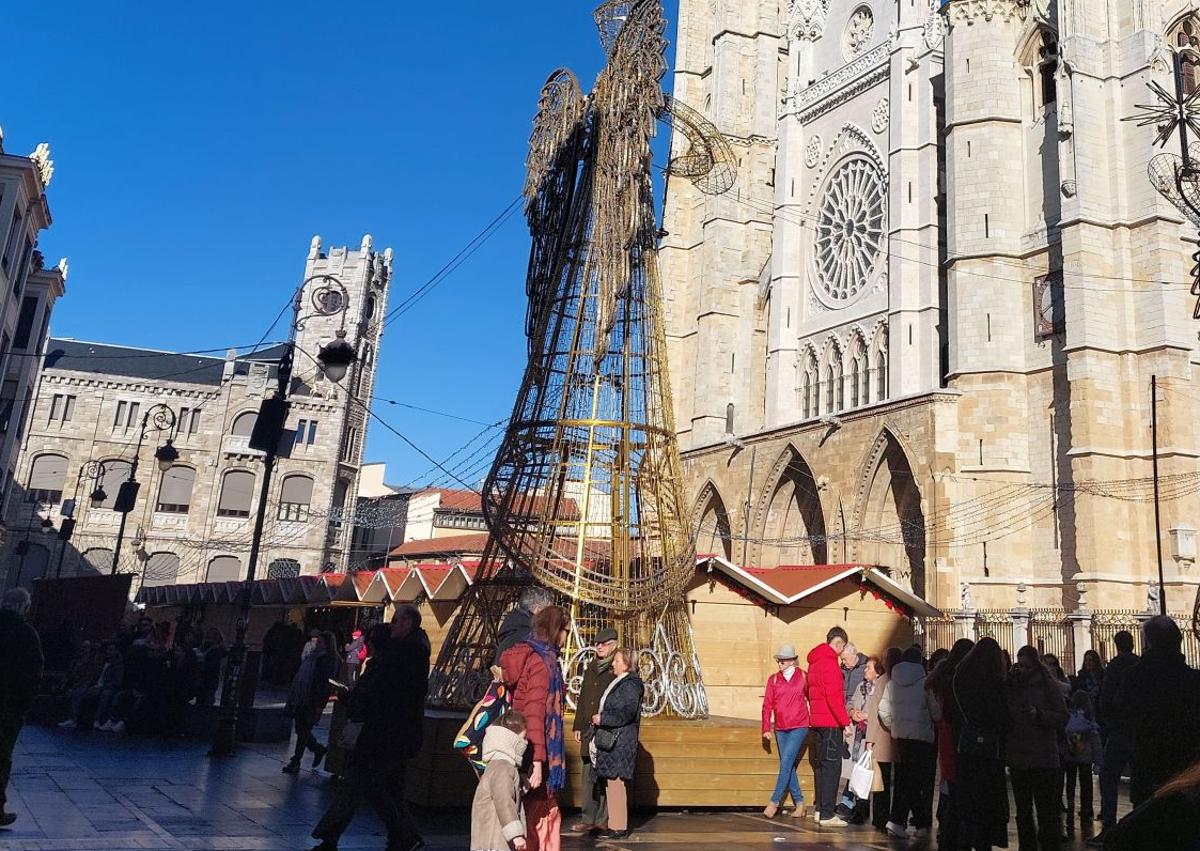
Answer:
(20, 664)
(621, 712)
(1165, 823)
(1083, 740)
(514, 629)
(528, 679)
(112, 674)
(826, 689)
(1114, 675)
(1039, 714)
(906, 706)
(389, 700)
(1159, 704)
(595, 680)
(879, 737)
(981, 786)
(854, 677)
(310, 691)
(785, 701)
(496, 816)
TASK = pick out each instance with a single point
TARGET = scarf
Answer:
(556, 753)
(602, 665)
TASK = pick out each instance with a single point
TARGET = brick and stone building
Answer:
(28, 291)
(921, 329)
(193, 522)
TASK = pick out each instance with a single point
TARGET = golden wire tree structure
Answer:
(585, 496)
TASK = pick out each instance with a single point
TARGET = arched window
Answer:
(369, 307)
(1187, 35)
(283, 568)
(729, 409)
(162, 568)
(96, 560)
(175, 491)
(243, 423)
(829, 389)
(1048, 69)
(116, 473)
(47, 475)
(855, 377)
(237, 492)
(840, 380)
(340, 489)
(808, 387)
(295, 497)
(224, 569)
(881, 376)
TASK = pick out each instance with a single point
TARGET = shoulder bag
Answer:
(974, 740)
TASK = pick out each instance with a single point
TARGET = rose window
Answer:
(859, 31)
(849, 229)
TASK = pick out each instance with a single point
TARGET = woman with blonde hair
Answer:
(615, 739)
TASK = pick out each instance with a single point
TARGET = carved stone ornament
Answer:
(966, 599)
(933, 31)
(964, 11)
(812, 151)
(881, 115)
(45, 165)
(859, 32)
(807, 18)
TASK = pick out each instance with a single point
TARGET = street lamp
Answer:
(158, 418)
(47, 526)
(329, 298)
(94, 472)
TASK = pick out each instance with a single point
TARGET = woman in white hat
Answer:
(785, 705)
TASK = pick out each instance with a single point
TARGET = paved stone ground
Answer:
(97, 792)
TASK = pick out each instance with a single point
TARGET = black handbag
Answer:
(972, 740)
(605, 738)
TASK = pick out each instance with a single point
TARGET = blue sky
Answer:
(198, 147)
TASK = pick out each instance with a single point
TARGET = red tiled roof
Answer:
(470, 502)
(450, 545)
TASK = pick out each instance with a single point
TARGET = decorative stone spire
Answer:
(63, 268)
(314, 248)
(367, 242)
(41, 158)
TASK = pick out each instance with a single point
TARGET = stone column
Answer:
(1020, 620)
(964, 622)
(1081, 626)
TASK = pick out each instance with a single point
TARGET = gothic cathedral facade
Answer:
(921, 329)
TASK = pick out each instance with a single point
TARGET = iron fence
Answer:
(1105, 625)
(940, 634)
(1050, 631)
(997, 624)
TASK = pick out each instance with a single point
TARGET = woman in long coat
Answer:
(976, 704)
(879, 740)
(620, 713)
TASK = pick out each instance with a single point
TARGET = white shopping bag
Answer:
(862, 776)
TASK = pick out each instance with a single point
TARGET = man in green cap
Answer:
(596, 678)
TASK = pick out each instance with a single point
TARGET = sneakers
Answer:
(832, 821)
(292, 767)
(117, 728)
(898, 830)
(69, 724)
(106, 727)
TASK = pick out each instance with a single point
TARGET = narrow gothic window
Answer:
(1187, 37)
(841, 387)
(808, 388)
(855, 366)
(1048, 69)
(829, 389)
(880, 376)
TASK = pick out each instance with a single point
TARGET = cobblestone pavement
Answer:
(96, 792)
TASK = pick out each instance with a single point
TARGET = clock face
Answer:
(1043, 304)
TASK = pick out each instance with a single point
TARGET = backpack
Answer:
(495, 702)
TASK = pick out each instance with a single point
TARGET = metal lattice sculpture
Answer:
(585, 495)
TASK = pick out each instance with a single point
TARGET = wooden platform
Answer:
(717, 762)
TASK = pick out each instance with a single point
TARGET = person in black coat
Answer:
(596, 678)
(389, 701)
(1170, 821)
(20, 672)
(516, 624)
(615, 739)
(308, 697)
(1160, 702)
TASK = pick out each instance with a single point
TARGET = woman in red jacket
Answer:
(827, 717)
(785, 700)
(533, 674)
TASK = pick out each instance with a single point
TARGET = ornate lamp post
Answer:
(157, 418)
(329, 298)
(92, 471)
(22, 548)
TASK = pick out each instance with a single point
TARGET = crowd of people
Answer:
(143, 678)
(956, 731)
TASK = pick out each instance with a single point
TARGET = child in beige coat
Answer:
(496, 816)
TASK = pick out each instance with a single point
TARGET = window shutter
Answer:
(116, 473)
(161, 569)
(49, 473)
(236, 491)
(176, 487)
(224, 569)
(297, 490)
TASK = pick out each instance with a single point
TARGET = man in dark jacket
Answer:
(517, 623)
(20, 672)
(389, 701)
(828, 717)
(1118, 745)
(596, 678)
(1160, 701)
